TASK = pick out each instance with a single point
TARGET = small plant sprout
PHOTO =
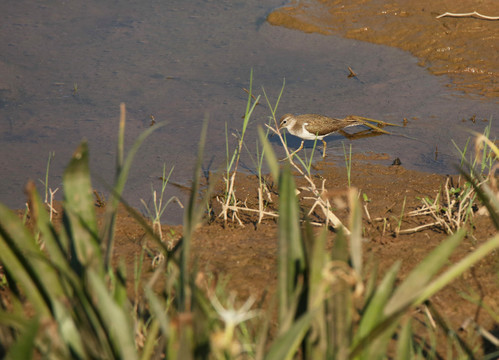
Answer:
(48, 190)
(159, 207)
(263, 187)
(231, 318)
(366, 200)
(399, 224)
(348, 162)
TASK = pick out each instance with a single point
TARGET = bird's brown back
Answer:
(323, 125)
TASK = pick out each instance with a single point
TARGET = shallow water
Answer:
(179, 60)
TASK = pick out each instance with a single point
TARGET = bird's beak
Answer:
(279, 128)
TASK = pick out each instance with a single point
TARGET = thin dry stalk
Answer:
(51, 204)
(367, 213)
(419, 228)
(248, 209)
(260, 205)
(430, 317)
(230, 193)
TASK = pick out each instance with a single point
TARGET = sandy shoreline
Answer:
(465, 49)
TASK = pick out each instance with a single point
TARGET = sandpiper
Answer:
(311, 126)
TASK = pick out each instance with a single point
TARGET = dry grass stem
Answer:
(367, 213)
(419, 228)
(51, 204)
(260, 204)
(248, 209)
(430, 317)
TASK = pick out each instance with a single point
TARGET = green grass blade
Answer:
(373, 311)
(291, 256)
(270, 156)
(404, 343)
(486, 195)
(356, 231)
(158, 310)
(122, 176)
(69, 330)
(373, 315)
(81, 223)
(286, 345)
(457, 269)
(55, 243)
(192, 216)
(417, 280)
(24, 347)
(20, 254)
(114, 317)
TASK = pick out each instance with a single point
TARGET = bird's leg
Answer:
(324, 149)
(301, 147)
(294, 152)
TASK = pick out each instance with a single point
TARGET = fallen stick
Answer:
(472, 14)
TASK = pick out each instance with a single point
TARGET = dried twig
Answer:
(419, 228)
(471, 14)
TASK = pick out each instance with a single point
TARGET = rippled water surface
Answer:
(66, 66)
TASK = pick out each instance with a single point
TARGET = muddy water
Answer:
(66, 66)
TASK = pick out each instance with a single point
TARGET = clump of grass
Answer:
(348, 162)
(451, 209)
(483, 158)
(455, 206)
(229, 202)
(47, 188)
(159, 206)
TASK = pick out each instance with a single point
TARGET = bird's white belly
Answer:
(304, 134)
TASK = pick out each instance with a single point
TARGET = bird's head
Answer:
(287, 121)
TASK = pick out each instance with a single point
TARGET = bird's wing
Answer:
(317, 125)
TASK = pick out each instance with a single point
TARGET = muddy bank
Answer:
(243, 259)
(465, 49)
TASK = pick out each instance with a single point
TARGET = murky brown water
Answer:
(179, 60)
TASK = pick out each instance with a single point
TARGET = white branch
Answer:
(472, 14)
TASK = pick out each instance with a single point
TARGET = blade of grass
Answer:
(291, 256)
(115, 319)
(285, 346)
(192, 216)
(121, 177)
(81, 223)
(24, 347)
(417, 280)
